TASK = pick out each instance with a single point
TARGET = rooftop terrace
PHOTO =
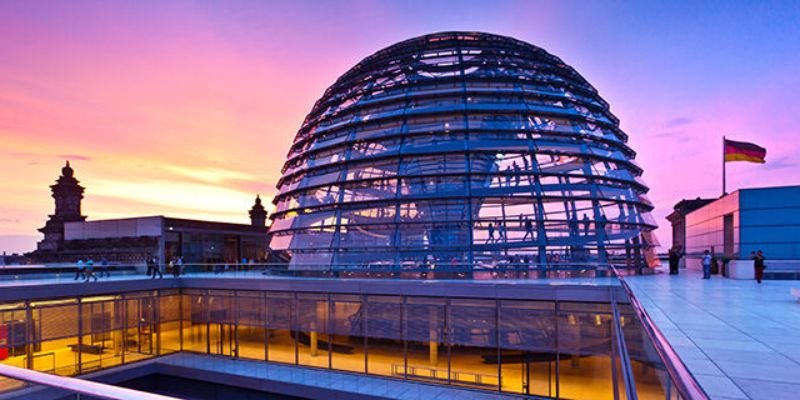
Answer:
(736, 338)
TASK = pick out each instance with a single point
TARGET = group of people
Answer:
(513, 172)
(86, 270)
(501, 233)
(529, 224)
(710, 262)
(175, 267)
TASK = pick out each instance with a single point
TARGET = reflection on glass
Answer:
(195, 326)
(584, 351)
(347, 333)
(528, 351)
(385, 347)
(649, 373)
(537, 348)
(425, 333)
(310, 329)
(251, 332)
(281, 345)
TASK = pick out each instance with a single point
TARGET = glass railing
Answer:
(24, 384)
(424, 271)
(58, 271)
(511, 268)
(650, 368)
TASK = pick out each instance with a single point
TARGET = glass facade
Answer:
(211, 247)
(75, 336)
(557, 349)
(461, 148)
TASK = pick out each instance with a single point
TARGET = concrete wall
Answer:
(743, 269)
(704, 229)
(114, 228)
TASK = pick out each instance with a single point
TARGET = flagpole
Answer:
(724, 192)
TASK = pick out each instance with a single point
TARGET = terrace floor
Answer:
(741, 340)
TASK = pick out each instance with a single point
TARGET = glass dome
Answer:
(461, 148)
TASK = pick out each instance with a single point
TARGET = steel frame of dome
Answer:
(461, 147)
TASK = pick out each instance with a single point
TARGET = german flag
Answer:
(743, 151)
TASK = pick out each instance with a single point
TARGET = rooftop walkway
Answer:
(739, 339)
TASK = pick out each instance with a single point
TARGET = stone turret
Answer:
(258, 215)
(68, 195)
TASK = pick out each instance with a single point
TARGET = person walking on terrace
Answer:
(149, 266)
(156, 269)
(758, 266)
(80, 272)
(90, 270)
(528, 229)
(706, 265)
(173, 267)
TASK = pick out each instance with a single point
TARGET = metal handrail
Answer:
(684, 381)
(625, 361)
(89, 388)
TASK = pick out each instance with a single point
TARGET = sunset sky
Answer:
(187, 109)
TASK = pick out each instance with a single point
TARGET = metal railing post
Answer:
(624, 359)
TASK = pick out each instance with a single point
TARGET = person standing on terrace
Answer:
(706, 265)
(758, 266)
(674, 260)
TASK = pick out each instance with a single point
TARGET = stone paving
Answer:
(739, 339)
